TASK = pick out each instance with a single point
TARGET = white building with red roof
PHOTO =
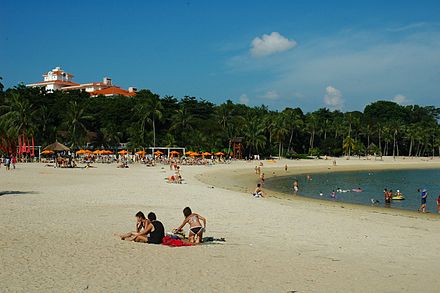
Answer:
(58, 79)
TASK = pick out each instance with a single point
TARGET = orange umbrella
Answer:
(219, 154)
(47, 152)
(206, 154)
(97, 152)
(81, 152)
(174, 153)
(142, 153)
(123, 152)
(105, 152)
(88, 152)
(158, 153)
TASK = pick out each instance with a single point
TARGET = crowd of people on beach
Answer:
(9, 162)
(150, 230)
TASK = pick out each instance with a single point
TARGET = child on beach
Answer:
(195, 226)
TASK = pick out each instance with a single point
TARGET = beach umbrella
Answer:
(141, 153)
(81, 152)
(219, 154)
(158, 153)
(57, 147)
(123, 152)
(206, 154)
(47, 152)
(189, 153)
(174, 153)
(97, 152)
(106, 152)
(88, 152)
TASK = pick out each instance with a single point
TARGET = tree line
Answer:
(81, 121)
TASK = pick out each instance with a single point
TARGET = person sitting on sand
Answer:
(141, 223)
(258, 191)
(195, 226)
(153, 231)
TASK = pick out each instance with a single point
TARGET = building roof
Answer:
(43, 83)
(113, 90)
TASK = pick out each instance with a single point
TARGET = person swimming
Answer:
(195, 226)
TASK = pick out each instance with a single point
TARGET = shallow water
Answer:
(372, 183)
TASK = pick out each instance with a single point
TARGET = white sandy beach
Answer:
(57, 231)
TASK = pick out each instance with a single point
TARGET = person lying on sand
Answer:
(195, 226)
(141, 223)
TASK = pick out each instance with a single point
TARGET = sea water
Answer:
(371, 182)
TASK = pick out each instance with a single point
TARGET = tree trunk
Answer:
(410, 147)
(154, 134)
(290, 140)
(279, 151)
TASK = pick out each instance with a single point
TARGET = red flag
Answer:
(28, 146)
(19, 144)
(23, 145)
(33, 147)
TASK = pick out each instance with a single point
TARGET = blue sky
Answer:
(312, 54)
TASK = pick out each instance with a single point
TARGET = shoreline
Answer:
(244, 180)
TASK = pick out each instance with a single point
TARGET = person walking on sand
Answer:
(195, 226)
(285, 167)
(262, 178)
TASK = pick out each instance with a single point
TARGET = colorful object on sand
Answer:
(170, 241)
(123, 152)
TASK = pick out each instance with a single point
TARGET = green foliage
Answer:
(75, 118)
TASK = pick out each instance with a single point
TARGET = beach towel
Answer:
(170, 241)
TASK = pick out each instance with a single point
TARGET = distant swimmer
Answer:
(333, 194)
(374, 201)
(321, 194)
(285, 167)
(357, 189)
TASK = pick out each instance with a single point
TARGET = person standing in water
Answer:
(424, 196)
(295, 186)
(438, 204)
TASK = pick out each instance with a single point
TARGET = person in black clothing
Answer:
(153, 233)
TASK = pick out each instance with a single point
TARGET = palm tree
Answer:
(254, 134)
(74, 121)
(294, 123)
(154, 109)
(20, 113)
(348, 145)
(279, 132)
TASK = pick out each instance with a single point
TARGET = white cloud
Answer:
(333, 98)
(270, 95)
(270, 44)
(243, 99)
(400, 99)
